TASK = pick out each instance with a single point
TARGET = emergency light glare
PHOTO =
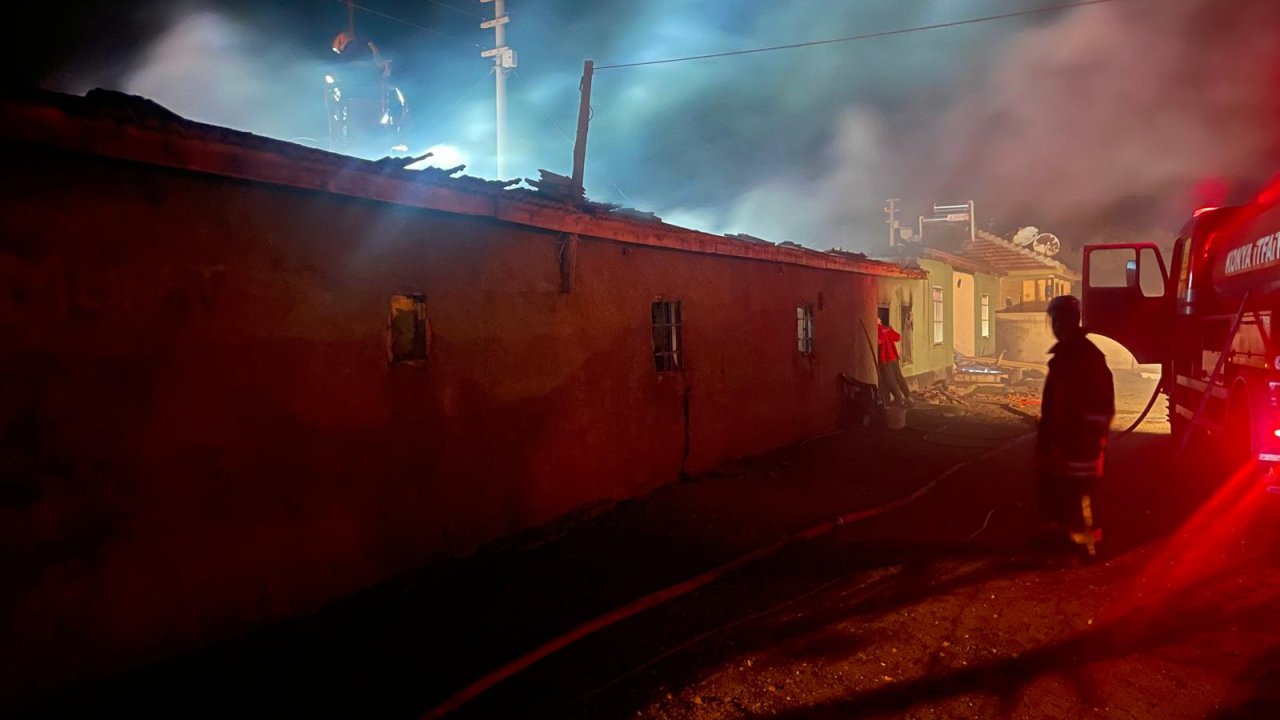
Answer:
(1276, 433)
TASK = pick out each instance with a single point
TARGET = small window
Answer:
(1124, 267)
(986, 316)
(804, 329)
(939, 321)
(668, 344)
(906, 326)
(1113, 268)
(407, 333)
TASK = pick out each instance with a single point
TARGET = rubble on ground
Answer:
(995, 399)
(938, 394)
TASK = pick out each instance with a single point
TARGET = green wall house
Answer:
(951, 311)
(975, 293)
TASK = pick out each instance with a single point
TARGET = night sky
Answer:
(1090, 122)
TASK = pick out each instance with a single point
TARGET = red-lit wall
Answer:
(194, 381)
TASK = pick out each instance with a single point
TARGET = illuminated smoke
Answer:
(1119, 117)
(211, 68)
(1126, 115)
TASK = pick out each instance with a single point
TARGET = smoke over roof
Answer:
(1125, 115)
(1097, 119)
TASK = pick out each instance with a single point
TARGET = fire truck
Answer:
(1206, 318)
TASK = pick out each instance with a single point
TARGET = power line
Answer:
(852, 38)
(402, 21)
(444, 113)
(551, 121)
(535, 9)
(457, 10)
(554, 40)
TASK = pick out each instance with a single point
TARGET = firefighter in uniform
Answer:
(1075, 419)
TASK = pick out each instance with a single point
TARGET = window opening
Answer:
(668, 343)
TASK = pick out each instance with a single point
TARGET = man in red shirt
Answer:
(893, 387)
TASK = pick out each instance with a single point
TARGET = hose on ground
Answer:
(1145, 411)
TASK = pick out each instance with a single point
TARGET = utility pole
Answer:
(584, 122)
(504, 59)
(891, 209)
(973, 224)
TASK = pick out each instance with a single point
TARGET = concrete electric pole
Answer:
(891, 209)
(504, 59)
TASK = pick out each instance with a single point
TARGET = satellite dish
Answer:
(1026, 236)
(1047, 243)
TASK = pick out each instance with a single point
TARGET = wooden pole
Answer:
(584, 119)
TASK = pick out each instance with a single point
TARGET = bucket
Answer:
(893, 417)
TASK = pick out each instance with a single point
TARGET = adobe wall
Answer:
(203, 432)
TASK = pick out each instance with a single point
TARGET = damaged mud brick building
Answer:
(243, 378)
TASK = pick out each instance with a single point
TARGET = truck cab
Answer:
(1126, 297)
(1206, 319)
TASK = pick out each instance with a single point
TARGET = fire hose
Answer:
(1155, 393)
(660, 597)
(1145, 411)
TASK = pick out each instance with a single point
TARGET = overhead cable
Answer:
(853, 38)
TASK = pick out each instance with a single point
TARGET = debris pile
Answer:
(556, 186)
(1023, 398)
(938, 394)
(978, 373)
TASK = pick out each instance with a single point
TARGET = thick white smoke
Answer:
(1077, 122)
(1117, 116)
(1106, 121)
(212, 68)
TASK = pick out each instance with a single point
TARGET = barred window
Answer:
(906, 327)
(804, 329)
(668, 343)
(939, 317)
(986, 316)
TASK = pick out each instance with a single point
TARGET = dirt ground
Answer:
(1176, 625)
(943, 607)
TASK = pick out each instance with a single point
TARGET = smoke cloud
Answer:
(1118, 117)
(209, 67)
(1092, 122)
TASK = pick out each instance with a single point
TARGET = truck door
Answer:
(1127, 298)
